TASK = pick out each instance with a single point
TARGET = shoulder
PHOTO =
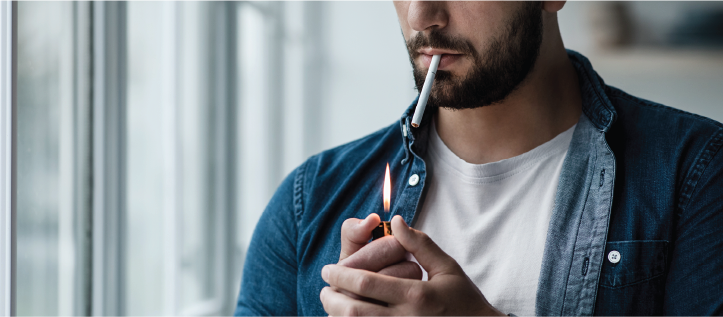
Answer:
(630, 107)
(664, 143)
(344, 159)
(330, 173)
(657, 126)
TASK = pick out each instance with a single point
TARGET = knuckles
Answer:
(364, 283)
(351, 310)
(419, 295)
(424, 240)
(376, 255)
(404, 269)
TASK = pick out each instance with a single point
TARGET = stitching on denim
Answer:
(606, 228)
(299, 192)
(637, 241)
(647, 103)
(580, 66)
(696, 172)
(577, 234)
(634, 283)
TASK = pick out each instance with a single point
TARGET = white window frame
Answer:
(8, 114)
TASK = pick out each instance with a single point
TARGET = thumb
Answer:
(429, 255)
(355, 233)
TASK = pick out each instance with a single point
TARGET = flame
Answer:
(387, 190)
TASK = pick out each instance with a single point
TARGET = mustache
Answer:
(439, 40)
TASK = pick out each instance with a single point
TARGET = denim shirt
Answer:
(639, 178)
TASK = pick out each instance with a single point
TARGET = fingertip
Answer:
(373, 217)
(372, 220)
(401, 219)
(399, 224)
(325, 273)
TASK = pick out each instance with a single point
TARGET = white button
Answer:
(614, 257)
(414, 180)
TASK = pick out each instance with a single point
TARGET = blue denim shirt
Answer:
(639, 178)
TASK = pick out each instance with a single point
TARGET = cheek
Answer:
(402, 8)
(480, 21)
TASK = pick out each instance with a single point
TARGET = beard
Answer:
(506, 63)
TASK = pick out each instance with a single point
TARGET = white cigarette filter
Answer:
(426, 90)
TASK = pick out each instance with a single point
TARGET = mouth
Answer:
(449, 57)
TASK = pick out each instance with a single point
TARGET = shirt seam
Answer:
(603, 101)
(702, 162)
(298, 201)
(299, 192)
(647, 103)
(565, 304)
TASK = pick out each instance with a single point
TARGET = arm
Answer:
(268, 284)
(694, 284)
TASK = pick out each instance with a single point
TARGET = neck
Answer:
(545, 104)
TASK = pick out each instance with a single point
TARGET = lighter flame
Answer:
(387, 190)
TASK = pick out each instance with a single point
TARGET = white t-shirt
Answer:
(493, 218)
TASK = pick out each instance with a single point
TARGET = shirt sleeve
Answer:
(695, 278)
(268, 283)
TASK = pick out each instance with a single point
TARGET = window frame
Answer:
(8, 154)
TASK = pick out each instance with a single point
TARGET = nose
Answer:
(427, 15)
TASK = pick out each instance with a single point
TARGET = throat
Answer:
(494, 133)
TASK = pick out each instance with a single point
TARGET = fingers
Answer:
(367, 284)
(338, 304)
(355, 233)
(427, 253)
(406, 269)
(376, 255)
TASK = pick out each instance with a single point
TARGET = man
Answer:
(532, 188)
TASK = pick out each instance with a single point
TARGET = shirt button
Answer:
(614, 257)
(414, 180)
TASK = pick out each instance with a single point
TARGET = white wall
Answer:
(686, 79)
(369, 79)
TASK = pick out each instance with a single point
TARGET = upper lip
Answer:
(436, 51)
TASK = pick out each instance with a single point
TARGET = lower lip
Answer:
(444, 62)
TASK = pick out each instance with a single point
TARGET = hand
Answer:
(385, 256)
(448, 292)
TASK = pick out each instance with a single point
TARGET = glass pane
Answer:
(47, 213)
(145, 192)
(171, 249)
(198, 256)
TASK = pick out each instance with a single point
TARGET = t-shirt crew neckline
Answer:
(499, 170)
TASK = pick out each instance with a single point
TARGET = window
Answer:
(126, 158)
(52, 150)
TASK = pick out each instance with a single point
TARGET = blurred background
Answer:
(151, 135)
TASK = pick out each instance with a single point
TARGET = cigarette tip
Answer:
(414, 125)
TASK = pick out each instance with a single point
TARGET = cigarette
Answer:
(426, 89)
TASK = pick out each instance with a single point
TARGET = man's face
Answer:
(487, 48)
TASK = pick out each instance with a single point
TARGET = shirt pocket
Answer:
(631, 262)
(632, 280)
